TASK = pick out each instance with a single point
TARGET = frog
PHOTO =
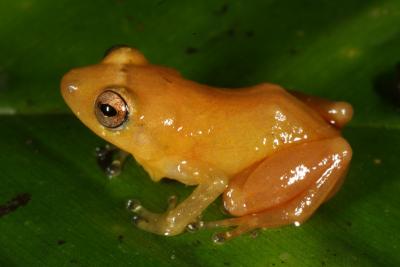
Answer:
(274, 156)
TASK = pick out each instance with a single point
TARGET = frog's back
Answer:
(250, 124)
(226, 128)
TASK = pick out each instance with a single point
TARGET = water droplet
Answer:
(114, 169)
(219, 238)
(136, 219)
(195, 226)
(168, 122)
(173, 256)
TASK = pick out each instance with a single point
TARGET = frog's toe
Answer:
(237, 225)
(172, 202)
(154, 223)
(114, 169)
(195, 226)
(220, 238)
(141, 212)
(146, 220)
(133, 205)
(111, 159)
(136, 219)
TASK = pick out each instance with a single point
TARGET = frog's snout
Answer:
(67, 84)
(69, 87)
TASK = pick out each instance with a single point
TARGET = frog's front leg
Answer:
(111, 159)
(177, 217)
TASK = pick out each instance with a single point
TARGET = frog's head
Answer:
(100, 97)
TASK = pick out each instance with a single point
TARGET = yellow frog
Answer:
(274, 155)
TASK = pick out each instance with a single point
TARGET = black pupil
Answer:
(108, 110)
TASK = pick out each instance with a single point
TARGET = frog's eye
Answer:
(111, 109)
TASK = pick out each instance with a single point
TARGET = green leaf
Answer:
(69, 213)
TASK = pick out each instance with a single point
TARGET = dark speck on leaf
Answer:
(196, 243)
(191, 50)
(60, 242)
(13, 204)
(293, 51)
(222, 10)
(231, 32)
(249, 33)
(227, 263)
(349, 224)
(120, 238)
(74, 261)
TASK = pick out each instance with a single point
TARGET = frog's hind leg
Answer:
(304, 176)
(335, 113)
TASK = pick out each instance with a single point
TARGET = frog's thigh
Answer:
(305, 175)
(283, 176)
